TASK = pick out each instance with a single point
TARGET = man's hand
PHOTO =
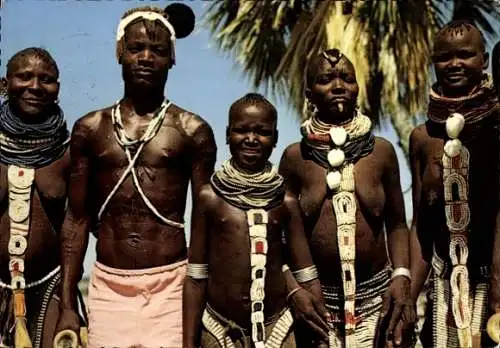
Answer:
(68, 320)
(398, 314)
(311, 310)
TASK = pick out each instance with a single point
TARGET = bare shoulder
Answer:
(189, 122)
(418, 136)
(384, 147)
(90, 123)
(290, 201)
(292, 151)
(291, 155)
(207, 197)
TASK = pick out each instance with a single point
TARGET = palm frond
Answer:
(389, 43)
(255, 33)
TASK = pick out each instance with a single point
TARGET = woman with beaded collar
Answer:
(454, 158)
(34, 172)
(236, 290)
(348, 184)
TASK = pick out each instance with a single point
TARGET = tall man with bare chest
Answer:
(349, 189)
(454, 159)
(131, 166)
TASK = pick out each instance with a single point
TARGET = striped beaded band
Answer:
(257, 227)
(197, 270)
(20, 183)
(340, 180)
(306, 274)
(455, 174)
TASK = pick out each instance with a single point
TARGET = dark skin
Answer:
(32, 89)
(378, 192)
(219, 237)
(130, 236)
(495, 66)
(459, 61)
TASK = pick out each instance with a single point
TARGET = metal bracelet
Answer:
(306, 274)
(401, 271)
(197, 270)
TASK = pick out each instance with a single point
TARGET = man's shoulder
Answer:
(190, 122)
(92, 121)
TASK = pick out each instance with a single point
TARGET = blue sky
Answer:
(81, 37)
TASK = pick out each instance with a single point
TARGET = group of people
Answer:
(315, 252)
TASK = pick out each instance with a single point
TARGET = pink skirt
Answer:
(136, 308)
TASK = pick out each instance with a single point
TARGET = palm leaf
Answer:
(389, 43)
(476, 11)
(255, 33)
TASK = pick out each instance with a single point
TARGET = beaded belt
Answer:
(219, 327)
(20, 182)
(443, 332)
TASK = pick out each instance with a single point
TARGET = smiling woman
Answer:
(33, 167)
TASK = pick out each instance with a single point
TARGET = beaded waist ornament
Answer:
(20, 182)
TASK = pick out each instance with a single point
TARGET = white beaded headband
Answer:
(149, 15)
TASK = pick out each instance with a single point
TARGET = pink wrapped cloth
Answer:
(136, 308)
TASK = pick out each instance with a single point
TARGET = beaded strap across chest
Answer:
(127, 143)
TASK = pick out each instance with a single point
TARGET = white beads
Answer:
(336, 157)
(338, 135)
(452, 147)
(333, 180)
(454, 125)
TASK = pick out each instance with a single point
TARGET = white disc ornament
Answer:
(336, 157)
(333, 180)
(338, 135)
(454, 125)
(452, 147)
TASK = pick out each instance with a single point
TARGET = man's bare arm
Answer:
(196, 282)
(75, 229)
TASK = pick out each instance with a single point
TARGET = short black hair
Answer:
(333, 55)
(37, 52)
(253, 99)
(457, 27)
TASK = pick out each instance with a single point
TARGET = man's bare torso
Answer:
(129, 234)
